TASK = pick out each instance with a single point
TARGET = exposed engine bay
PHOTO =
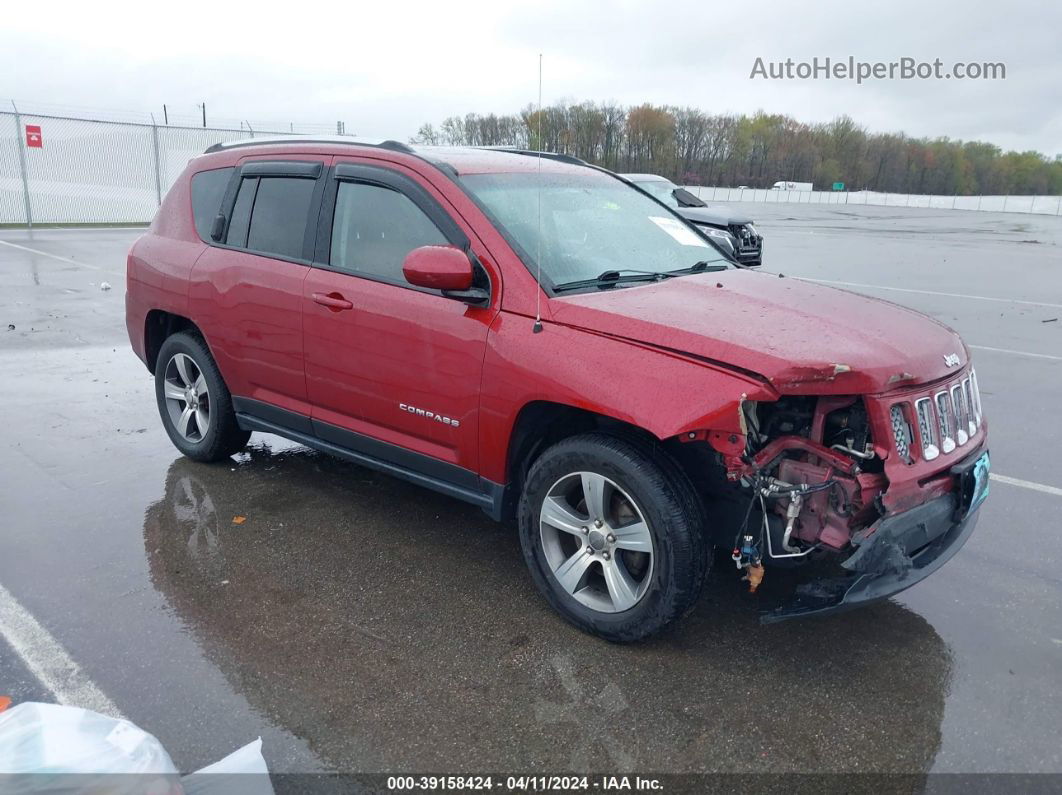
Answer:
(810, 476)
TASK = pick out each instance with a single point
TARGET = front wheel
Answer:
(613, 536)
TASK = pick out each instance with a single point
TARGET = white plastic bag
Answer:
(243, 772)
(48, 748)
(53, 749)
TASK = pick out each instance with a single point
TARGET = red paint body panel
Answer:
(667, 394)
(160, 262)
(249, 309)
(793, 332)
(438, 267)
(396, 347)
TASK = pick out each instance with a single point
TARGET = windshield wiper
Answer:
(704, 266)
(615, 277)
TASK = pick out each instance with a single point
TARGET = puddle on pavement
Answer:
(396, 629)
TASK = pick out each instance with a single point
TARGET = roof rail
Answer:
(394, 146)
(570, 159)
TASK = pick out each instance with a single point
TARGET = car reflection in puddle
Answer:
(397, 630)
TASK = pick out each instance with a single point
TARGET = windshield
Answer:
(662, 190)
(591, 224)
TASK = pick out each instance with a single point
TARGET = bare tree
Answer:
(613, 122)
(691, 135)
(426, 135)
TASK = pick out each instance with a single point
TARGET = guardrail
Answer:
(1040, 205)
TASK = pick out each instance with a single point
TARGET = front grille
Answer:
(901, 432)
(946, 420)
(975, 393)
(958, 401)
(927, 428)
(748, 241)
(967, 399)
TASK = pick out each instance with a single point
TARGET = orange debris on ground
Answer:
(754, 577)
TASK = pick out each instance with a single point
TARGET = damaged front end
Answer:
(883, 487)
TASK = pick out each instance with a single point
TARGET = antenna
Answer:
(538, 276)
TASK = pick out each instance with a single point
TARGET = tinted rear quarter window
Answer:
(208, 189)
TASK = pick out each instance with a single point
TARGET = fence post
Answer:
(158, 165)
(21, 135)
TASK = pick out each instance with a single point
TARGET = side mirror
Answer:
(687, 199)
(445, 268)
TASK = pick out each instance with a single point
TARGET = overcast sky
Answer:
(387, 67)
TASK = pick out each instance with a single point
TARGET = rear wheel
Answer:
(613, 536)
(194, 403)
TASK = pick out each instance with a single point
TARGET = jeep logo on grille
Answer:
(951, 359)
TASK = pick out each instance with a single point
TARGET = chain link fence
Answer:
(83, 171)
(1040, 205)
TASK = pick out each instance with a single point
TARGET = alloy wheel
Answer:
(596, 542)
(187, 397)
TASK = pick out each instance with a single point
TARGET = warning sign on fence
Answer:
(33, 136)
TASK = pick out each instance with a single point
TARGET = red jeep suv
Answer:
(535, 336)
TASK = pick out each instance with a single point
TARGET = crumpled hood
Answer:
(717, 216)
(801, 337)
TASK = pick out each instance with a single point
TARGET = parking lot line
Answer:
(47, 660)
(1027, 484)
(56, 256)
(1017, 353)
(932, 292)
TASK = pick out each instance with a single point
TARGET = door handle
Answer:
(334, 301)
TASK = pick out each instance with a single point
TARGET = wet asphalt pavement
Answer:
(360, 624)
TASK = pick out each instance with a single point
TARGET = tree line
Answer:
(692, 147)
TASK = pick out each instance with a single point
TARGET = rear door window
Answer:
(279, 215)
(241, 213)
(208, 189)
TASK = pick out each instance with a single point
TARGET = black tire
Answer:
(669, 506)
(223, 436)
